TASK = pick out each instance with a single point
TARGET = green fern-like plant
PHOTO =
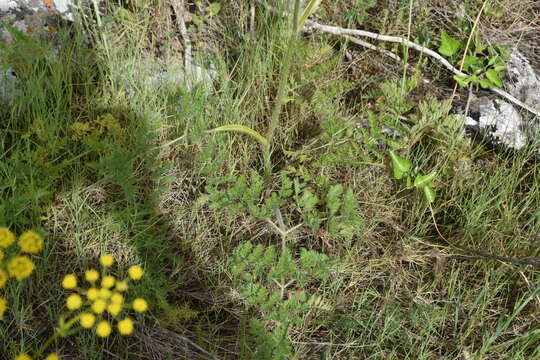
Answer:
(272, 283)
(241, 193)
(337, 212)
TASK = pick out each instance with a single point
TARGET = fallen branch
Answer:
(336, 30)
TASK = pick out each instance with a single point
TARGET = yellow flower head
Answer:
(108, 281)
(114, 309)
(91, 275)
(92, 294)
(1, 255)
(6, 237)
(87, 320)
(73, 302)
(3, 306)
(121, 285)
(103, 329)
(52, 356)
(23, 356)
(140, 305)
(106, 260)
(20, 267)
(69, 282)
(135, 272)
(3, 278)
(99, 306)
(104, 293)
(117, 298)
(31, 242)
(125, 326)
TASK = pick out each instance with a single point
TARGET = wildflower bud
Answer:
(30, 242)
(92, 294)
(106, 260)
(69, 282)
(125, 326)
(108, 281)
(52, 356)
(114, 309)
(140, 305)
(117, 298)
(6, 237)
(23, 356)
(73, 302)
(135, 272)
(99, 306)
(20, 267)
(104, 293)
(87, 320)
(103, 329)
(122, 285)
(91, 275)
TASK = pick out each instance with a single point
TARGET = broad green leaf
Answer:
(401, 166)
(493, 76)
(493, 60)
(242, 129)
(398, 174)
(499, 68)
(423, 180)
(470, 61)
(429, 194)
(462, 80)
(485, 83)
(449, 46)
(310, 8)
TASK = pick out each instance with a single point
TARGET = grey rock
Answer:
(499, 121)
(154, 75)
(522, 81)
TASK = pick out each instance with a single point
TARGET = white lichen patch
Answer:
(500, 121)
(6, 5)
(522, 81)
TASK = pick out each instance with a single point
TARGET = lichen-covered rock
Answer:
(522, 81)
(156, 74)
(499, 121)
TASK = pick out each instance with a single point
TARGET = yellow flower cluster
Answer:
(25, 356)
(104, 298)
(17, 265)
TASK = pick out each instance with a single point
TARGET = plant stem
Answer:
(282, 90)
(59, 332)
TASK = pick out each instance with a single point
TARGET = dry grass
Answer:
(397, 291)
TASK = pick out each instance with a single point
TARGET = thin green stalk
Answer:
(282, 90)
(100, 28)
(59, 332)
